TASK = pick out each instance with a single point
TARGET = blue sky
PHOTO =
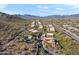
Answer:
(40, 9)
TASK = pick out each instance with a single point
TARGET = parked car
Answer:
(28, 39)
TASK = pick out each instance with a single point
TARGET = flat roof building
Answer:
(48, 40)
(33, 31)
(50, 28)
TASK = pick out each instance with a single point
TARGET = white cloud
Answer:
(74, 6)
(2, 6)
(46, 7)
(59, 9)
(42, 7)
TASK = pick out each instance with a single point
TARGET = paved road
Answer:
(67, 32)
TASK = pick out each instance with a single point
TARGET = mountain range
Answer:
(30, 17)
(26, 16)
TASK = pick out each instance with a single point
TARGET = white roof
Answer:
(29, 36)
(50, 34)
(39, 22)
(33, 22)
(40, 26)
(48, 38)
(32, 30)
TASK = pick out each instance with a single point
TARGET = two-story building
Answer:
(48, 40)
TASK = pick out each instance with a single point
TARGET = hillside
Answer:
(74, 16)
(8, 17)
(28, 17)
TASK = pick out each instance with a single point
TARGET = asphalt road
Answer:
(67, 32)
